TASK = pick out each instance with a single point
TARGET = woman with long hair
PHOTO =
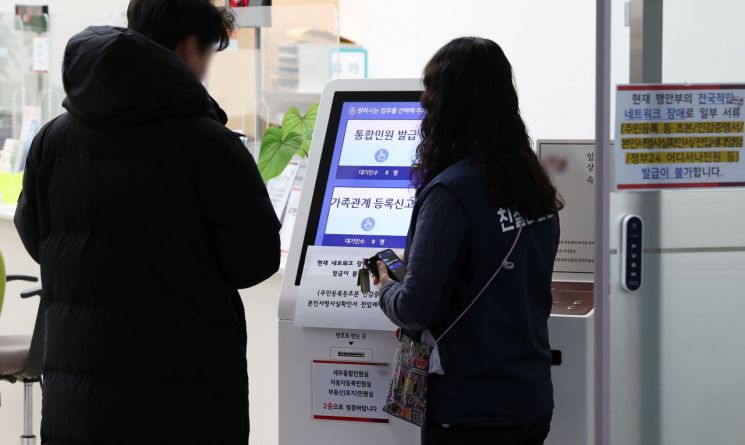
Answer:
(483, 203)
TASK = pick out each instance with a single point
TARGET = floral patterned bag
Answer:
(407, 397)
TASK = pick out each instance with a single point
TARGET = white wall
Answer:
(703, 41)
(550, 44)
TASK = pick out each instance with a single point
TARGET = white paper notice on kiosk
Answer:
(350, 391)
(328, 296)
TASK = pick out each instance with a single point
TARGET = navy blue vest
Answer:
(497, 359)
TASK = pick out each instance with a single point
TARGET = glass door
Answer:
(671, 363)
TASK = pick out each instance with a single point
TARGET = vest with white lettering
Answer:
(497, 358)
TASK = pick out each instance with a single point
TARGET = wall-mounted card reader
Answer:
(631, 253)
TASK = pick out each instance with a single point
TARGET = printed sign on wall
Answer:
(571, 165)
(679, 136)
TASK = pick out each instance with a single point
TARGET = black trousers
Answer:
(534, 433)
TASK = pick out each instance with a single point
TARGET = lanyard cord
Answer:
(505, 264)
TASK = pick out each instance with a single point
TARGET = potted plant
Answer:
(290, 139)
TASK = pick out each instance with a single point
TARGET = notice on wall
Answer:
(349, 63)
(350, 391)
(40, 54)
(329, 297)
(679, 136)
(571, 165)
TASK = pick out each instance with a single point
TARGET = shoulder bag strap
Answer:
(505, 264)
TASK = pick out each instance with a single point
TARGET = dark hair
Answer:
(471, 109)
(169, 22)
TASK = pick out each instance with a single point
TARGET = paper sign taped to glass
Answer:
(674, 136)
(328, 296)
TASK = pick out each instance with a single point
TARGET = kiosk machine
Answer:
(336, 348)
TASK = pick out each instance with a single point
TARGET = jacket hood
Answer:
(115, 76)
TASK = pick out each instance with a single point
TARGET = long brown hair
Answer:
(471, 109)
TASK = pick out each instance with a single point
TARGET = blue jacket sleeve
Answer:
(439, 248)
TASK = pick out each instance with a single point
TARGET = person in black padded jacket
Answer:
(478, 183)
(147, 215)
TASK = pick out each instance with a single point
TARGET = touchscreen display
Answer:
(368, 199)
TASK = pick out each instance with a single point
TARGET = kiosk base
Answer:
(571, 339)
(298, 348)
(572, 374)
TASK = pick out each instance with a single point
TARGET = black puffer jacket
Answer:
(146, 215)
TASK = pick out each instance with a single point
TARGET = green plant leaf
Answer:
(305, 146)
(311, 114)
(277, 148)
(280, 144)
(293, 122)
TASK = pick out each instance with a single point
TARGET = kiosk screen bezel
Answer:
(324, 166)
